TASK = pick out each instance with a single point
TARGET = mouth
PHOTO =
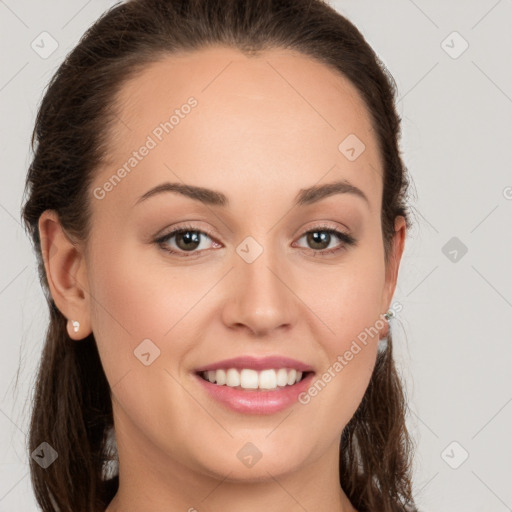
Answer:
(248, 379)
(255, 385)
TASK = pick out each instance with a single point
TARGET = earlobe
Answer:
(397, 248)
(65, 272)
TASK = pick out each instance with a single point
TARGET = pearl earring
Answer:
(76, 325)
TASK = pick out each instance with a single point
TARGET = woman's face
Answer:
(245, 280)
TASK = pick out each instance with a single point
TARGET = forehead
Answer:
(276, 116)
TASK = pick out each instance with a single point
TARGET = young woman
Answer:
(218, 206)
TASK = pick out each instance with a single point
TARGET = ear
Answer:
(66, 273)
(395, 256)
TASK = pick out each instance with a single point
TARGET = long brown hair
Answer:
(72, 408)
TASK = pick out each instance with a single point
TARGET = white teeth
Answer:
(268, 379)
(232, 378)
(220, 377)
(252, 379)
(249, 379)
(282, 377)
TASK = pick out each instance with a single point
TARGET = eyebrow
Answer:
(304, 197)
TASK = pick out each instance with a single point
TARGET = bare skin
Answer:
(263, 129)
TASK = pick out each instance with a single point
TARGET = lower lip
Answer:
(256, 401)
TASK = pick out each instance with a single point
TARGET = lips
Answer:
(257, 363)
(255, 385)
(255, 401)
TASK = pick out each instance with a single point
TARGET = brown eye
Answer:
(188, 240)
(183, 240)
(319, 240)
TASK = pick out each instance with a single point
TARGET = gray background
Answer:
(453, 337)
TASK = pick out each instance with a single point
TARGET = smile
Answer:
(247, 378)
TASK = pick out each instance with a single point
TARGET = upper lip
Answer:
(257, 363)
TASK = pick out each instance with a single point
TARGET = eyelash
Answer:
(347, 240)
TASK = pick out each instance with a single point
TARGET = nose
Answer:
(260, 297)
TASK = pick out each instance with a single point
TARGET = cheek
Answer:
(133, 304)
(137, 293)
(348, 301)
(130, 303)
